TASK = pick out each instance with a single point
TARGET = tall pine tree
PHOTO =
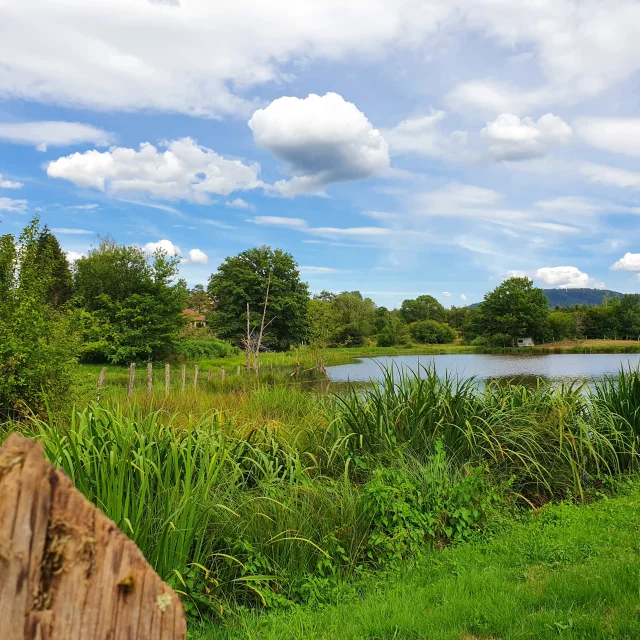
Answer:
(51, 259)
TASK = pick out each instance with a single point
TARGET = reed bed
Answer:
(268, 495)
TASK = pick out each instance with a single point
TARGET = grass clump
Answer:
(263, 495)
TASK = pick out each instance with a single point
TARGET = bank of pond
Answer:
(271, 496)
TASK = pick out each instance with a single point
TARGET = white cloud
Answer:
(555, 227)
(628, 262)
(75, 232)
(515, 273)
(193, 57)
(446, 294)
(423, 136)
(491, 97)
(280, 221)
(463, 298)
(72, 256)
(571, 204)
(239, 203)
(319, 270)
(13, 206)
(323, 139)
(566, 278)
(611, 176)
(52, 133)
(184, 171)
(512, 138)
(162, 245)
(198, 257)
(84, 207)
(9, 184)
(618, 135)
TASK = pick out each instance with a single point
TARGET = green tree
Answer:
(323, 323)
(243, 279)
(200, 301)
(432, 332)
(562, 326)
(356, 318)
(51, 259)
(629, 316)
(133, 303)
(38, 344)
(394, 331)
(516, 309)
(422, 308)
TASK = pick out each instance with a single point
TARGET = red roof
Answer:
(194, 316)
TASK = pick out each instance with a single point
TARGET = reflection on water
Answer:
(570, 367)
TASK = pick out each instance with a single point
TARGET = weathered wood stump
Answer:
(66, 571)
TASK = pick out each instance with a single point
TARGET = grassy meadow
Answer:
(262, 494)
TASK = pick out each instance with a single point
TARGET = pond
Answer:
(554, 368)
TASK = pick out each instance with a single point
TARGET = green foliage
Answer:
(38, 343)
(51, 259)
(514, 308)
(422, 308)
(244, 279)
(432, 332)
(564, 572)
(393, 332)
(323, 323)
(356, 317)
(199, 349)
(132, 306)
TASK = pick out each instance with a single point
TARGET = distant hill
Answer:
(571, 297)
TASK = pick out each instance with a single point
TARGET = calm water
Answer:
(556, 367)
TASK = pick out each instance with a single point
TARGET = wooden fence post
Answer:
(184, 376)
(66, 570)
(167, 379)
(132, 377)
(238, 370)
(195, 377)
(222, 374)
(149, 378)
(103, 375)
(209, 375)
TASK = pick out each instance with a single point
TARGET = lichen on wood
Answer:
(66, 571)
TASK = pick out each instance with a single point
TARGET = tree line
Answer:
(118, 305)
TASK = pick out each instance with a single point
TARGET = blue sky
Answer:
(398, 147)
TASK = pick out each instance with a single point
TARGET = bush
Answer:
(37, 341)
(432, 332)
(212, 348)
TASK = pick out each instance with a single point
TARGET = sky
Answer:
(396, 147)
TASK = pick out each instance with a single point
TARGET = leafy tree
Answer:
(133, 303)
(515, 308)
(199, 300)
(422, 308)
(51, 259)
(356, 317)
(432, 332)
(395, 331)
(629, 313)
(38, 344)
(323, 323)
(562, 325)
(243, 279)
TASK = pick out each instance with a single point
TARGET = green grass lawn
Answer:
(565, 572)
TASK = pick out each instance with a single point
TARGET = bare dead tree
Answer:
(262, 327)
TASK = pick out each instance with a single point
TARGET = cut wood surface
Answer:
(66, 571)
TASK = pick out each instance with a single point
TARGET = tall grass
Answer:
(270, 495)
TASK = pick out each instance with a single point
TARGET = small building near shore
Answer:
(525, 342)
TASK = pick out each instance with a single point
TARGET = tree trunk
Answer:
(67, 572)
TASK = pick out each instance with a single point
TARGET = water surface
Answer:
(553, 367)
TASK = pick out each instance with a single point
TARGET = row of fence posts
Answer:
(167, 377)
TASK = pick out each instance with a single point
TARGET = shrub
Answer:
(37, 341)
(432, 332)
(212, 348)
